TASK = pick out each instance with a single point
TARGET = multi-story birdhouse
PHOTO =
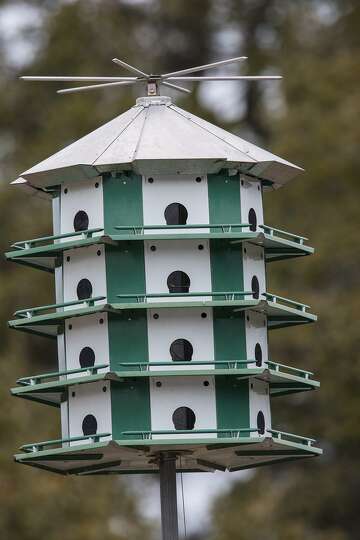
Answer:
(162, 314)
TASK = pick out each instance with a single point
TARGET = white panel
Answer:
(177, 392)
(259, 401)
(251, 197)
(64, 415)
(170, 256)
(173, 324)
(256, 332)
(87, 331)
(84, 263)
(253, 265)
(90, 399)
(178, 188)
(82, 196)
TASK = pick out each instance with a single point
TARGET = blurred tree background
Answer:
(311, 118)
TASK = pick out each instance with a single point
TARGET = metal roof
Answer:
(157, 137)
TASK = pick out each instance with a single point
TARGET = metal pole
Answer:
(169, 515)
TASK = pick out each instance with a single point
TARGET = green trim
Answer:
(227, 381)
(29, 313)
(233, 433)
(271, 231)
(279, 316)
(26, 245)
(232, 402)
(128, 338)
(37, 447)
(125, 269)
(226, 263)
(276, 248)
(141, 451)
(130, 405)
(122, 200)
(37, 379)
(224, 197)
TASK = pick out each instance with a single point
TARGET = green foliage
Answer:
(315, 45)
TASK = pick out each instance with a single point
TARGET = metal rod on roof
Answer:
(205, 66)
(93, 87)
(77, 79)
(235, 78)
(176, 87)
(129, 67)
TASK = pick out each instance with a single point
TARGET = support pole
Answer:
(169, 515)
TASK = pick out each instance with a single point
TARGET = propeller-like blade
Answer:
(93, 87)
(129, 68)
(77, 79)
(239, 78)
(205, 66)
(176, 87)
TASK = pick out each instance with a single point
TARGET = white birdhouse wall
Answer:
(251, 203)
(259, 402)
(90, 410)
(165, 267)
(82, 206)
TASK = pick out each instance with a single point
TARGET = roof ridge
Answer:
(119, 134)
(179, 111)
(141, 132)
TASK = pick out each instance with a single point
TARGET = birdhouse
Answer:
(162, 313)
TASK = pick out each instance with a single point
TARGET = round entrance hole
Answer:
(178, 282)
(184, 418)
(260, 421)
(258, 354)
(81, 221)
(181, 350)
(89, 425)
(176, 214)
(86, 357)
(255, 287)
(252, 220)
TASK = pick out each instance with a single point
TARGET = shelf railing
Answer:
(38, 379)
(233, 433)
(275, 298)
(146, 367)
(283, 435)
(138, 230)
(28, 244)
(37, 447)
(223, 227)
(271, 231)
(30, 312)
(228, 296)
(275, 366)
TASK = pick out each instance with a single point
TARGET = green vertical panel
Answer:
(229, 335)
(128, 340)
(130, 406)
(224, 198)
(232, 396)
(226, 266)
(224, 207)
(232, 403)
(125, 270)
(122, 200)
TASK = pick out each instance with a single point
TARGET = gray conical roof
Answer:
(157, 137)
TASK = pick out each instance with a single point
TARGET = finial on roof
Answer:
(152, 82)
